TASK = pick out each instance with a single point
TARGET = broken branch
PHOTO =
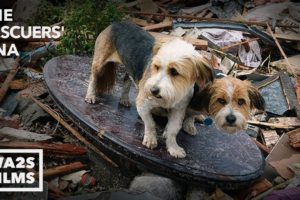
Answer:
(66, 149)
(73, 131)
(262, 147)
(273, 125)
(63, 169)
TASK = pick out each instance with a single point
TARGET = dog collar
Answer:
(207, 121)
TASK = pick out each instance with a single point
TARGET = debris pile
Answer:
(255, 40)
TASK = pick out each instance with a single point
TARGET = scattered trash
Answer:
(294, 137)
(75, 177)
(282, 156)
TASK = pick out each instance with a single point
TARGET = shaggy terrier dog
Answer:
(165, 73)
(229, 101)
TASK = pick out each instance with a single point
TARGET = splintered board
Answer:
(213, 157)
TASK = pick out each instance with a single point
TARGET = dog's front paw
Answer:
(189, 128)
(177, 152)
(125, 102)
(150, 141)
(90, 99)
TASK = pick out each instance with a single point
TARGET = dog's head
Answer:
(229, 101)
(173, 71)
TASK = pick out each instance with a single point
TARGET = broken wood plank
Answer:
(270, 137)
(282, 156)
(24, 135)
(34, 89)
(263, 24)
(273, 125)
(140, 22)
(8, 79)
(19, 84)
(73, 131)
(209, 15)
(165, 24)
(63, 170)
(290, 36)
(225, 48)
(294, 138)
(262, 147)
(254, 190)
(9, 122)
(202, 14)
(64, 149)
(199, 44)
(289, 121)
(293, 60)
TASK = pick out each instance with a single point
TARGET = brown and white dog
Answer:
(229, 101)
(165, 73)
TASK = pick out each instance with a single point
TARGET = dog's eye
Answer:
(241, 102)
(173, 72)
(221, 101)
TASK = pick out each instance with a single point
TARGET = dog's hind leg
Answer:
(124, 100)
(103, 66)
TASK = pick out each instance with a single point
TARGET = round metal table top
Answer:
(213, 157)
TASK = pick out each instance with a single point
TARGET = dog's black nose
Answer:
(230, 119)
(154, 90)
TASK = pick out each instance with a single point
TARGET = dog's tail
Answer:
(106, 77)
(103, 69)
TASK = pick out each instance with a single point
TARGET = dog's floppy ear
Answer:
(205, 73)
(256, 99)
(201, 98)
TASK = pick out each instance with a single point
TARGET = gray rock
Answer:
(159, 186)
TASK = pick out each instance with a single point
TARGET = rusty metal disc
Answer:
(213, 157)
